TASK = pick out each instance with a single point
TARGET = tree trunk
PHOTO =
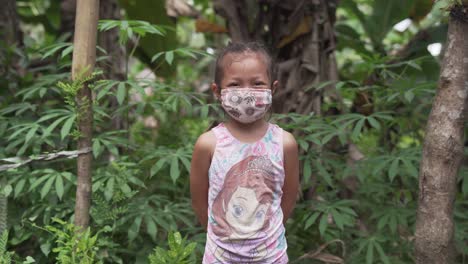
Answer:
(67, 17)
(10, 37)
(84, 57)
(9, 23)
(114, 66)
(443, 149)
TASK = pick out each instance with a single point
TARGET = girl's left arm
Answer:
(291, 171)
(199, 183)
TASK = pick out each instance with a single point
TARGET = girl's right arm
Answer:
(201, 160)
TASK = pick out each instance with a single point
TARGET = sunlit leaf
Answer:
(59, 186)
(67, 126)
(174, 171)
(46, 188)
(121, 93)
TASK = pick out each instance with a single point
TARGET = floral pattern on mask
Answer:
(246, 105)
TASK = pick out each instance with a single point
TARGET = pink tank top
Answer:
(245, 220)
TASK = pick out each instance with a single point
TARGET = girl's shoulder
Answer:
(287, 137)
(206, 142)
(289, 142)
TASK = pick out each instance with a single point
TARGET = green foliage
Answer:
(179, 251)
(144, 130)
(5, 256)
(129, 27)
(70, 89)
(48, 179)
(168, 157)
(383, 16)
(155, 13)
(340, 212)
(104, 211)
(157, 213)
(65, 47)
(73, 245)
(372, 246)
(182, 52)
(117, 177)
(139, 207)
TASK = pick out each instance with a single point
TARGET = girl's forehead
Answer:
(232, 60)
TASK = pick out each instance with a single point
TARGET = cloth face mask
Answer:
(246, 105)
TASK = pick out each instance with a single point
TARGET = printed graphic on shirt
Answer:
(242, 210)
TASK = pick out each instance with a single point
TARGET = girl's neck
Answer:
(250, 127)
(251, 132)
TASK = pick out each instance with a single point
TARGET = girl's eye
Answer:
(259, 83)
(259, 215)
(232, 84)
(238, 211)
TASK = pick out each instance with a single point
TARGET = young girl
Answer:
(244, 175)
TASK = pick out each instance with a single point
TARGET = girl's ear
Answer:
(274, 86)
(216, 90)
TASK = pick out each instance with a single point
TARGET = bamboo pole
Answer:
(84, 58)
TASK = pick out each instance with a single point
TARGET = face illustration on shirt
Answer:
(244, 213)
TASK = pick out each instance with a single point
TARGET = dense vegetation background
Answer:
(358, 79)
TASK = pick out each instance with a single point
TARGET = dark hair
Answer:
(241, 47)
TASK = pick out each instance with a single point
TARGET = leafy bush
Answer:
(74, 245)
(179, 251)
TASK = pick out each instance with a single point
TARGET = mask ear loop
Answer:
(270, 109)
(223, 112)
(270, 113)
(219, 115)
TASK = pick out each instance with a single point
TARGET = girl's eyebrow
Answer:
(256, 77)
(232, 82)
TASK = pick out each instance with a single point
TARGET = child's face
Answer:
(244, 70)
(244, 213)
